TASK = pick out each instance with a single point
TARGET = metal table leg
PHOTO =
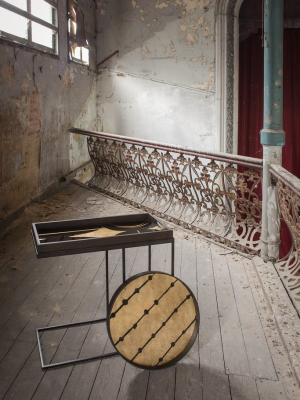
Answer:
(123, 265)
(94, 321)
(101, 320)
(149, 258)
(172, 258)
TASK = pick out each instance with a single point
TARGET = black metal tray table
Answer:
(58, 238)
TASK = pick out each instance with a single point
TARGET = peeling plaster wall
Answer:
(161, 84)
(86, 118)
(41, 97)
(150, 110)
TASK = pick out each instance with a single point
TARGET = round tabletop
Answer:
(153, 320)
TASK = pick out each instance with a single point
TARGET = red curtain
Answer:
(251, 104)
(251, 96)
(291, 101)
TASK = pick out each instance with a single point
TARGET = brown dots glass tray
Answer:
(153, 320)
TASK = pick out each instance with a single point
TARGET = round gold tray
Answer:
(153, 320)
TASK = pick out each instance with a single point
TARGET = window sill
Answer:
(28, 48)
(86, 66)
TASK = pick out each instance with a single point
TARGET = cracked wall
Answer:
(161, 84)
(41, 98)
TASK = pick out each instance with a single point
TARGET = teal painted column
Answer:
(272, 133)
(272, 137)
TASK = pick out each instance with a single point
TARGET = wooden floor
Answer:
(238, 353)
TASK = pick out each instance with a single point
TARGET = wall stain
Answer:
(68, 78)
(20, 130)
(8, 74)
(35, 117)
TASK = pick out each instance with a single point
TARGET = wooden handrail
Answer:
(286, 177)
(225, 157)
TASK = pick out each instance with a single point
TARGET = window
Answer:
(78, 44)
(32, 22)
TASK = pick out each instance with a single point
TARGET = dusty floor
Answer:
(238, 353)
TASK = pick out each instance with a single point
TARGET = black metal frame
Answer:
(101, 320)
(84, 245)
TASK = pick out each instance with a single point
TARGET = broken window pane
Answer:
(13, 24)
(85, 55)
(78, 44)
(72, 27)
(77, 53)
(42, 35)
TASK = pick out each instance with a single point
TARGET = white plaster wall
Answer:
(85, 119)
(155, 111)
(161, 84)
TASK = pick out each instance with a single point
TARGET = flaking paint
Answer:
(41, 97)
(167, 53)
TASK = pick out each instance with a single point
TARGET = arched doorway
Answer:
(227, 62)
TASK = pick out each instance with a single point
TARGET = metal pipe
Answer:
(107, 58)
(272, 137)
(272, 133)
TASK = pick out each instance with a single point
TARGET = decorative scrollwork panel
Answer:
(289, 266)
(214, 198)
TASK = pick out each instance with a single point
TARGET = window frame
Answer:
(32, 18)
(71, 19)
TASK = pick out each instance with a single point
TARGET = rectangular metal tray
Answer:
(121, 231)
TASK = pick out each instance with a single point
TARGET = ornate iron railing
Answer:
(215, 194)
(288, 197)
